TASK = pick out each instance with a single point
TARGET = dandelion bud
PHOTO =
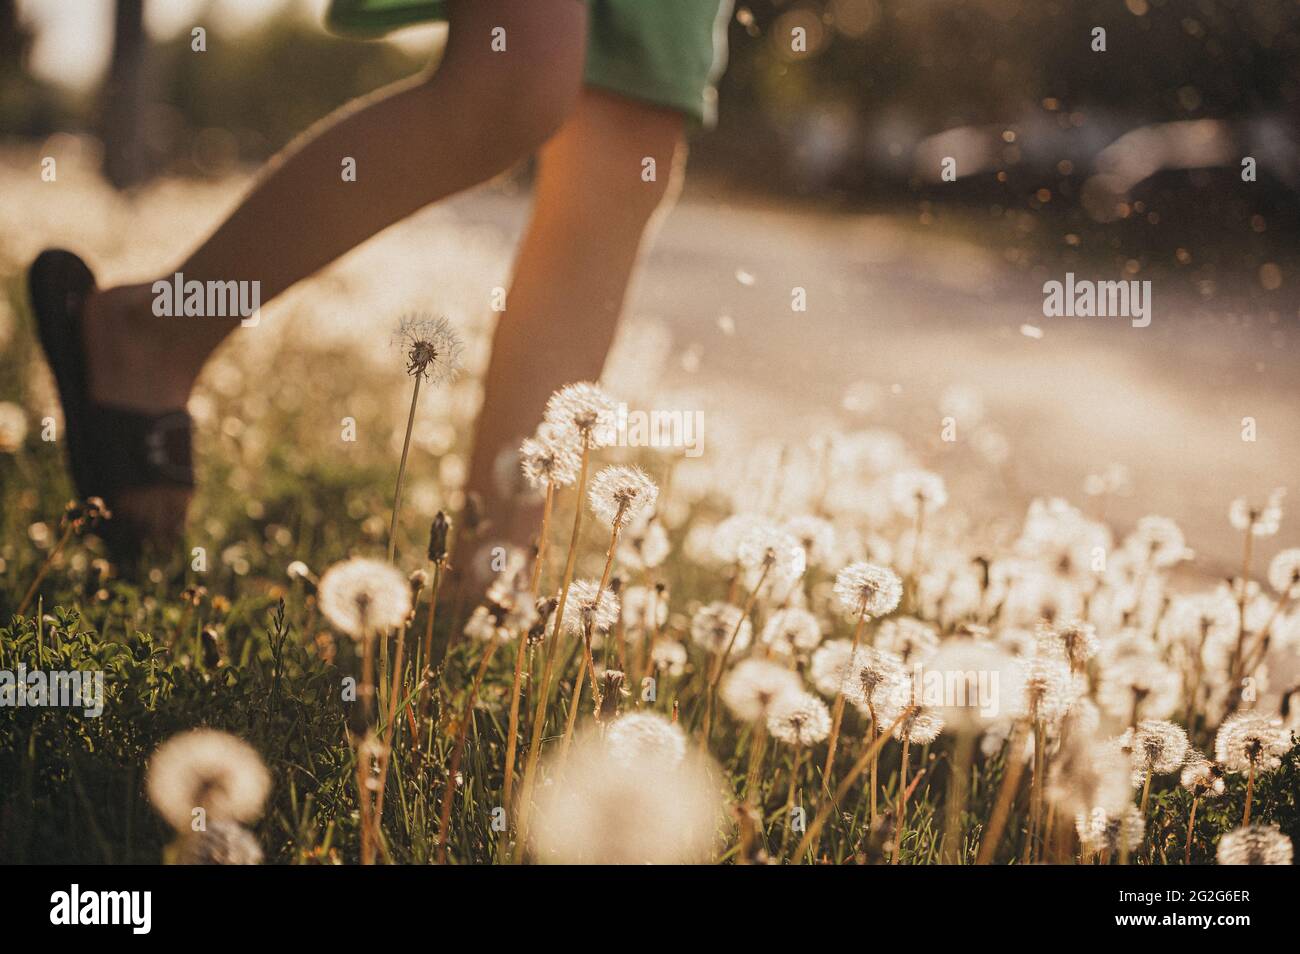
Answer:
(438, 537)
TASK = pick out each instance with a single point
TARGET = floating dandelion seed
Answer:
(799, 718)
(751, 688)
(1255, 845)
(584, 410)
(712, 626)
(621, 494)
(209, 770)
(432, 347)
(863, 589)
(364, 597)
(645, 735)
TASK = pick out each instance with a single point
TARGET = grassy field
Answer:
(777, 599)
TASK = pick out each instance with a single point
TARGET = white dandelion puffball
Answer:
(587, 607)
(669, 657)
(364, 597)
(817, 537)
(767, 553)
(799, 718)
(641, 735)
(864, 589)
(1260, 521)
(583, 411)
(752, 687)
(1157, 541)
(712, 627)
(916, 491)
(546, 458)
(644, 608)
(207, 769)
(431, 346)
(1120, 831)
(971, 684)
(650, 810)
(1200, 776)
(1255, 845)
(644, 547)
(1248, 739)
(919, 726)
(876, 680)
(792, 630)
(1284, 572)
(830, 666)
(621, 494)
(13, 427)
(908, 637)
(1156, 746)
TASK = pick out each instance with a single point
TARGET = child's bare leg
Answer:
(591, 210)
(414, 143)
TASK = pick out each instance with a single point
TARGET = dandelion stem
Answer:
(720, 662)
(1191, 823)
(789, 797)
(958, 793)
(813, 835)
(1006, 795)
(900, 823)
(1250, 792)
(466, 718)
(401, 472)
(539, 715)
(45, 568)
(837, 712)
(539, 561)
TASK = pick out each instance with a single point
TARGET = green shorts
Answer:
(666, 52)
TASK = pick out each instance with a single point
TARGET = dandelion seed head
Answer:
(644, 608)
(1200, 776)
(1155, 747)
(1255, 845)
(1157, 541)
(753, 685)
(207, 769)
(864, 589)
(621, 494)
(792, 630)
(1139, 683)
(669, 657)
(1260, 520)
(1075, 640)
(1284, 572)
(432, 347)
(583, 412)
(641, 735)
(363, 597)
(913, 492)
(817, 537)
(919, 725)
(908, 637)
(644, 547)
(798, 718)
(648, 810)
(545, 458)
(712, 626)
(1120, 831)
(1248, 739)
(875, 679)
(830, 666)
(1050, 688)
(766, 552)
(589, 607)
(1088, 774)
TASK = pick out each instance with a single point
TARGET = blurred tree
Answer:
(124, 96)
